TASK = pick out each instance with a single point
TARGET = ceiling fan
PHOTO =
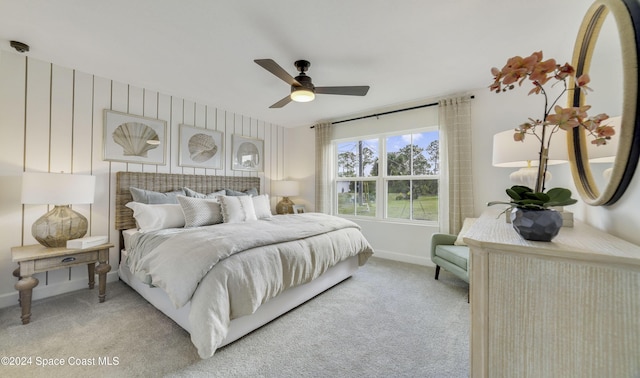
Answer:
(302, 89)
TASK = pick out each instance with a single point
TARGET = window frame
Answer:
(383, 177)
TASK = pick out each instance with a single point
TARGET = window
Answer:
(404, 167)
(357, 172)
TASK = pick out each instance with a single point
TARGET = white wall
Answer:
(51, 120)
(300, 147)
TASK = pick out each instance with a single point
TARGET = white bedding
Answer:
(126, 235)
(227, 271)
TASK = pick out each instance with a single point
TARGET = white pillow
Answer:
(261, 206)
(237, 209)
(200, 211)
(466, 225)
(157, 216)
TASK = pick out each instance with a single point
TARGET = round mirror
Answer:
(607, 49)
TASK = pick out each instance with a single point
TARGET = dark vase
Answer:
(536, 225)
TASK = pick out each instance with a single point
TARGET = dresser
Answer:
(566, 308)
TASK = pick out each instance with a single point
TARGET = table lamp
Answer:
(525, 155)
(61, 190)
(285, 189)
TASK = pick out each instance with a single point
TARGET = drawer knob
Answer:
(68, 259)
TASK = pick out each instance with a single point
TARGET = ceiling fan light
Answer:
(302, 95)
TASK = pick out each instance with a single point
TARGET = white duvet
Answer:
(229, 270)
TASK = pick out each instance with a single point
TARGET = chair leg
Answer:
(437, 271)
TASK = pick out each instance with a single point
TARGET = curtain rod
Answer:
(385, 113)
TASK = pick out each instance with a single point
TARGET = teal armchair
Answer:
(453, 258)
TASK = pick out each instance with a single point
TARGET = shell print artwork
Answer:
(202, 147)
(136, 138)
(248, 155)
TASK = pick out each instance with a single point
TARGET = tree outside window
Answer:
(357, 159)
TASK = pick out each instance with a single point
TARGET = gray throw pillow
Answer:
(200, 211)
(151, 197)
(249, 192)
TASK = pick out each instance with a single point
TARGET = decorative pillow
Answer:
(151, 197)
(249, 192)
(193, 193)
(466, 225)
(156, 217)
(200, 211)
(261, 206)
(237, 209)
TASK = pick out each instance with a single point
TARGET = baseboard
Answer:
(40, 292)
(411, 259)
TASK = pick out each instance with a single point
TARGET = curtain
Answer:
(456, 173)
(324, 167)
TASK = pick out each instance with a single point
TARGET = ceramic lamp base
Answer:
(285, 206)
(527, 176)
(59, 225)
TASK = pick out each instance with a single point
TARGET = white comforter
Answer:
(229, 270)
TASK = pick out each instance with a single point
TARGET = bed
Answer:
(212, 280)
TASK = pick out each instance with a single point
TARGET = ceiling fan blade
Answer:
(348, 91)
(282, 102)
(274, 68)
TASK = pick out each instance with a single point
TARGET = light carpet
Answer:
(390, 319)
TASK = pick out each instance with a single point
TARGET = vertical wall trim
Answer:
(128, 100)
(24, 134)
(93, 104)
(73, 123)
(158, 116)
(50, 115)
(169, 147)
(46, 274)
(93, 99)
(110, 173)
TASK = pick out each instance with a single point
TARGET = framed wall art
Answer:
(247, 154)
(200, 148)
(134, 139)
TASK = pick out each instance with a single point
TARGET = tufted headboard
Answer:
(165, 182)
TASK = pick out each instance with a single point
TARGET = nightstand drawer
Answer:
(67, 260)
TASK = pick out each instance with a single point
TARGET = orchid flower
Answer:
(540, 72)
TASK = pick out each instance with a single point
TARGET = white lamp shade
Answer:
(40, 188)
(511, 154)
(605, 153)
(285, 188)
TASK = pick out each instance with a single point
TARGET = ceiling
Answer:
(203, 50)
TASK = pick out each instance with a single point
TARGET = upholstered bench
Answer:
(449, 252)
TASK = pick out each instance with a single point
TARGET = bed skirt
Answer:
(241, 326)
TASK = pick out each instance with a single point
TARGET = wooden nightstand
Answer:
(37, 258)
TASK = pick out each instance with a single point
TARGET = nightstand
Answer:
(38, 258)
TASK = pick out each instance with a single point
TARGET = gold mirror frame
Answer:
(627, 16)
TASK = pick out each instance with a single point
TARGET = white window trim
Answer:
(381, 180)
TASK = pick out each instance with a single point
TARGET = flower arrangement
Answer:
(541, 72)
